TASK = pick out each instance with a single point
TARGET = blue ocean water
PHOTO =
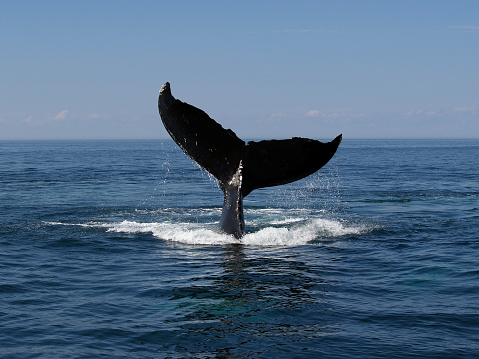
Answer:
(109, 249)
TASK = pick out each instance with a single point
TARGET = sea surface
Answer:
(110, 249)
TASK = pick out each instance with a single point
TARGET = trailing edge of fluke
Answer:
(239, 168)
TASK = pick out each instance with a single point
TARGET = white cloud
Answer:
(28, 119)
(416, 112)
(465, 109)
(298, 30)
(466, 28)
(275, 118)
(61, 115)
(312, 113)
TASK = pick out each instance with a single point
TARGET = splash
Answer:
(302, 233)
(295, 232)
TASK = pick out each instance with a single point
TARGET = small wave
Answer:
(300, 233)
(287, 221)
(187, 233)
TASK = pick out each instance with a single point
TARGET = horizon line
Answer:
(247, 139)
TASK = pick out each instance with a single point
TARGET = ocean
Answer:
(110, 249)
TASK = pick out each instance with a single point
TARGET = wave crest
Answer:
(191, 233)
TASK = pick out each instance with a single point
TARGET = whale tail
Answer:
(239, 168)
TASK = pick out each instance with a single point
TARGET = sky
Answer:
(266, 69)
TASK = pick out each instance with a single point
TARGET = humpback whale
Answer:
(239, 167)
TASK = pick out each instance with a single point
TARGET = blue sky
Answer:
(266, 69)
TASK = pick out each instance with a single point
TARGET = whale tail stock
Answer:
(239, 168)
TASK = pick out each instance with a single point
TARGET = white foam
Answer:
(277, 227)
(301, 233)
(286, 221)
(188, 233)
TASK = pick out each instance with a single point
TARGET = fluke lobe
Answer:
(240, 168)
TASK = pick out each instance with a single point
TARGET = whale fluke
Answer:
(239, 168)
